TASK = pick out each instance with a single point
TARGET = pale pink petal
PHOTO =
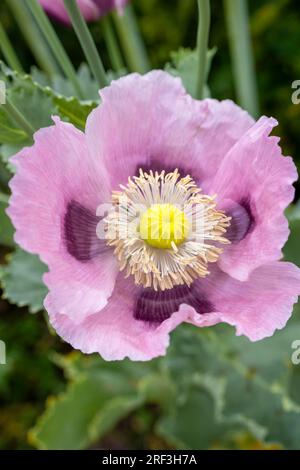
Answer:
(257, 179)
(256, 307)
(57, 169)
(150, 122)
(113, 332)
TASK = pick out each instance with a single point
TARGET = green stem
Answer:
(34, 37)
(241, 54)
(112, 44)
(202, 45)
(8, 51)
(55, 44)
(87, 42)
(131, 40)
(18, 117)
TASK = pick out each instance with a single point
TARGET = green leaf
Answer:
(269, 358)
(62, 86)
(194, 422)
(90, 407)
(111, 412)
(291, 249)
(6, 228)
(99, 395)
(8, 150)
(254, 392)
(5, 173)
(22, 282)
(35, 105)
(247, 394)
(294, 382)
(184, 66)
(39, 102)
(9, 133)
(72, 110)
(67, 419)
(69, 107)
(33, 102)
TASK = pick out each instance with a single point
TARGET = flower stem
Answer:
(202, 45)
(55, 44)
(241, 54)
(34, 37)
(87, 42)
(8, 51)
(131, 40)
(112, 44)
(18, 117)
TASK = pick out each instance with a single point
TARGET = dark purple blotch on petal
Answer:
(80, 236)
(156, 306)
(157, 165)
(242, 220)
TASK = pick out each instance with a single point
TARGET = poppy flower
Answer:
(90, 9)
(165, 210)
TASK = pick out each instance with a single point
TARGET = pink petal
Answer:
(150, 122)
(107, 5)
(55, 170)
(256, 307)
(255, 175)
(56, 8)
(113, 332)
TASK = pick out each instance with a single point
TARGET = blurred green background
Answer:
(41, 367)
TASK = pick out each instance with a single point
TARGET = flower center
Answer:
(163, 226)
(164, 231)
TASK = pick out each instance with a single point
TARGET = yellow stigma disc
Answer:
(163, 225)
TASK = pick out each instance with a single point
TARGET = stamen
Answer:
(164, 231)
